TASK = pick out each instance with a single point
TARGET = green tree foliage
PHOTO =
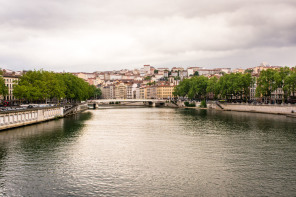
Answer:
(43, 85)
(151, 83)
(213, 87)
(203, 104)
(196, 73)
(148, 78)
(194, 88)
(249, 71)
(266, 83)
(3, 87)
(198, 87)
(177, 78)
(183, 88)
(235, 85)
(228, 86)
(290, 84)
(270, 80)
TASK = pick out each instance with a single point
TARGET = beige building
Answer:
(143, 93)
(94, 81)
(238, 70)
(120, 91)
(151, 92)
(108, 92)
(129, 91)
(165, 92)
(10, 80)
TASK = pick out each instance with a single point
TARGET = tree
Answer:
(196, 73)
(183, 88)
(3, 87)
(266, 83)
(290, 84)
(95, 92)
(279, 78)
(148, 78)
(213, 87)
(43, 85)
(246, 81)
(198, 87)
(248, 71)
(177, 78)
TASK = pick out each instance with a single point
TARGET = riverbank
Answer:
(282, 109)
(12, 119)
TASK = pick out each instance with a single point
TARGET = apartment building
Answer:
(143, 93)
(108, 92)
(151, 92)
(277, 96)
(10, 80)
(129, 91)
(120, 91)
(165, 92)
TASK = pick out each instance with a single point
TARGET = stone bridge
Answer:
(150, 102)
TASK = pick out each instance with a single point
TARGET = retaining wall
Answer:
(30, 116)
(285, 109)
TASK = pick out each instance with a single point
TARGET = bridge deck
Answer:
(127, 100)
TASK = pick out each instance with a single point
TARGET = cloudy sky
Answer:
(91, 35)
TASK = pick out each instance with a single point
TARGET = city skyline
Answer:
(113, 35)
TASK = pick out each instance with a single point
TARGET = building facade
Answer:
(10, 81)
(165, 92)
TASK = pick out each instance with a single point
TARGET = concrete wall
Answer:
(271, 109)
(82, 107)
(25, 117)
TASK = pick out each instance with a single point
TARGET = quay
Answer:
(18, 118)
(278, 109)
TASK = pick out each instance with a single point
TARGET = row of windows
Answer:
(10, 80)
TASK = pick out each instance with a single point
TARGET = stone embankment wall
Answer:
(285, 109)
(30, 116)
(19, 118)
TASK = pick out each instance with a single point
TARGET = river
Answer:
(151, 152)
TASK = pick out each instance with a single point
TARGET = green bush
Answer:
(203, 104)
(187, 104)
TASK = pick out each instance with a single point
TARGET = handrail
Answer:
(219, 105)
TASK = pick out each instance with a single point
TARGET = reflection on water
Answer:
(151, 152)
(26, 147)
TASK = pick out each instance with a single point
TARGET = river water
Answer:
(151, 152)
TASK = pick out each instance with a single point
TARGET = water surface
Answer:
(151, 152)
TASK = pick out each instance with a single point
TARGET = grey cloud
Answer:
(110, 33)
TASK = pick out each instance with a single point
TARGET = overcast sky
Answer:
(91, 35)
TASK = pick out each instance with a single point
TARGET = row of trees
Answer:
(43, 86)
(270, 80)
(237, 85)
(229, 86)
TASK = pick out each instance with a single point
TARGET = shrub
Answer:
(187, 104)
(203, 104)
